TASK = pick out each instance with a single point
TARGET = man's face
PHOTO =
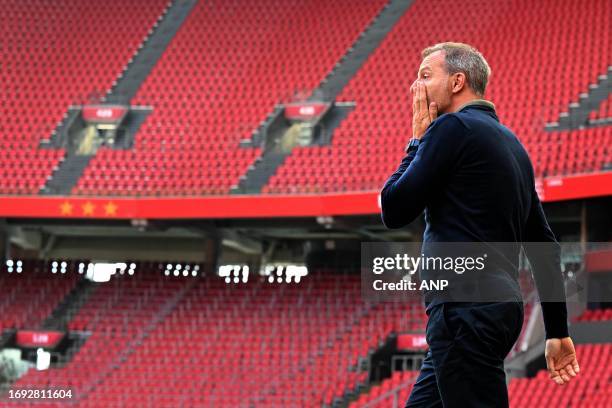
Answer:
(432, 73)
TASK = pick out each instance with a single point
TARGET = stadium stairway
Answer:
(77, 341)
(365, 365)
(578, 114)
(603, 115)
(66, 53)
(60, 133)
(29, 297)
(70, 305)
(202, 342)
(393, 391)
(66, 174)
(266, 165)
(365, 45)
(71, 168)
(5, 336)
(151, 50)
(367, 147)
(136, 342)
(260, 172)
(199, 337)
(366, 331)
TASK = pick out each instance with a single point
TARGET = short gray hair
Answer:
(464, 58)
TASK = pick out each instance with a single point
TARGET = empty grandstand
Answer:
(186, 187)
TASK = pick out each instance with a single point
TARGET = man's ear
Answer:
(458, 82)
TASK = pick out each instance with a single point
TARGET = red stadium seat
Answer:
(527, 90)
(209, 94)
(54, 56)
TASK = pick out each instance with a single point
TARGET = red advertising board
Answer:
(305, 110)
(39, 338)
(104, 113)
(411, 341)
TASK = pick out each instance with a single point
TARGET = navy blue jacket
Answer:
(476, 183)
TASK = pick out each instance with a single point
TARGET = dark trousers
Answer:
(464, 366)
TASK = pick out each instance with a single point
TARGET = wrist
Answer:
(557, 333)
(413, 144)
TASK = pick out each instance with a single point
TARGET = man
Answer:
(475, 182)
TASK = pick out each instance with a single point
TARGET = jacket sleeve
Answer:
(421, 172)
(544, 253)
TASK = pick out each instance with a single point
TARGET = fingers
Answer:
(556, 376)
(550, 364)
(570, 370)
(433, 111)
(422, 98)
(419, 102)
(417, 99)
(422, 114)
(558, 380)
(564, 374)
(552, 372)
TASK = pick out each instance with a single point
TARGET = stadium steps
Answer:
(353, 394)
(577, 116)
(335, 81)
(357, 55)
(259, 173)
(258, 136)
(140, 66)
(272, 129)
(77, 340)
(339, 112)
(60, 134)
(70, 306)
(5, 336)
(343, 335)
(165, 310)
(67, 174)
(123, 90)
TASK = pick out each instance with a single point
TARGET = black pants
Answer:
(464, 366)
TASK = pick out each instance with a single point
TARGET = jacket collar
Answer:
(477, 103)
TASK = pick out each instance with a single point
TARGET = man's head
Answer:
(453, 73)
